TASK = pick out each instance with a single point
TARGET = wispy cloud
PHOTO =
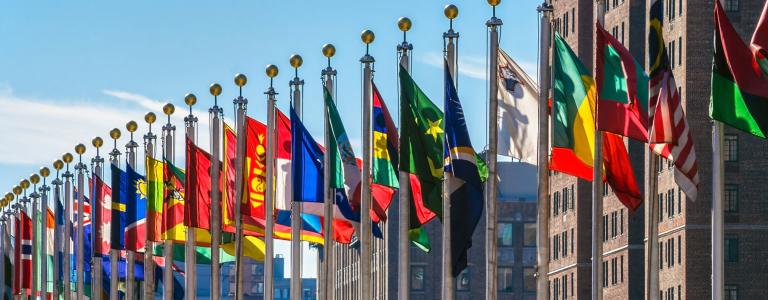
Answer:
(474, 66)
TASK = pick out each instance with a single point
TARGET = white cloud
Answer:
(474, 66)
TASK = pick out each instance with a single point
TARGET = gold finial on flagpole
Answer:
(58, 164)
(190, 99)
(24, 184)
(494, 3)
(296, 61)
(67, 157)
(45, 172)
(80, 149)
(131, 126)
(114, 133)
(271, 72)
(17, 190)
(367, 37)
(240, 81)
(329, 50)
(34, 178)
(451, 11)
(97, 142)
(150, 118)
(169, 109)
(215, 88)
(404, 23)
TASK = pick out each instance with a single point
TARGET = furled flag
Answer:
(421, 155)
(25, 253)
(669, 122)
(739, 90)
(103, 216)
(518, 116)
(155, 197)
(119, 197)
(573, 141)
(760, 42)
(9, 267)
(462, 171)
(573, 123)
(622, 89)
(385, 158)
(135, 212)
(50, 232)
(283, 193)
(17, 275)
(197, 212)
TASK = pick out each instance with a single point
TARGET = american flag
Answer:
(670, 136)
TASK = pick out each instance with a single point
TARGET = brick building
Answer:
(684, 226)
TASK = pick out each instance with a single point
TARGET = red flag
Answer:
(197, 204)
(103, 216)
(618, 171)
(25, 253)
(17, 257)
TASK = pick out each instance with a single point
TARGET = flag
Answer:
(119, 198)
(283, 193)
(760, 42)
(25, 253)
(17, 275)
(173, 228)
(50, 249)
(135, 212)
(421, 152)
(463, 175)
(103, 216)
(739, 90)
(518, 116)
(669, 122)
(573, 123)
(385, 158)
(622, 86)
(618, 171)
(154, 198)
(9, 267)
(197, 212)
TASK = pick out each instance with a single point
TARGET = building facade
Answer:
(684, 225)
(254, 281)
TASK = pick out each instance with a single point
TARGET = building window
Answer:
(661, 255)
(572, 198)
(731, 5)
(661, 206)
(605, 273)
(529, 235)
(565, 243)
(680, 7)
(462, 281)
(505, 279)
(556, 289)
(505, 234)
(679, 50)
(731, 204)
(670, 203)
(556, 247)
(565, 200)
(572, 238)
(621, 268)
(621, 221)
(671, 252)
(572, 284)
(556, 204)
(622, 33)
(731, 249)
(417, 278)
(573, 22)
(731, 292)
(731, 147)
(614, 226)
(614, 272)
(679, 201)
(529, 281)
(679, 250)
(605, 228)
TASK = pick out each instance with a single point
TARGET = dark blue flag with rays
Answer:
(463, 171)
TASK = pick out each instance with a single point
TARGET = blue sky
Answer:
(72, 70)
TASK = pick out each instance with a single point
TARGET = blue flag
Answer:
(306, 164)
(463, 173)
(119, 197)
(135, 211)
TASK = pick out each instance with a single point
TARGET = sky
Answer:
(73, 70)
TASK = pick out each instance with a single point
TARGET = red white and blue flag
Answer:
(136, 212)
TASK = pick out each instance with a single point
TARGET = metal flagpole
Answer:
(3, 246)
(98, 170)
(597, 191)
(130, 154)
(365, 200)
(44, 189)
(241, 104)
(718, 179)
(190, 259)
(215, 113)
(80, 263)
(114, 254)
(404, 202)
(67, 268)
(491, 248)
(17, 267)
(24, 201)
(57, 235)
(35, 179)
(168, 140)
(149, 245)
(651, 227)
(297, 84)
(327, 272)
(542, 228)
(450, 41)
(271, 71)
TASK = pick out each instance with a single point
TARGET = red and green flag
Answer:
(739, 88)
(622, 87)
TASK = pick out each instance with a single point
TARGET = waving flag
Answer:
(283, 194)
(462, 170)
(119, 198)
(518, 117)
(155, 198)
(103, 216)
(385, 158)
(197, 212)
(135, 212)
(25, 253)
(760, 42)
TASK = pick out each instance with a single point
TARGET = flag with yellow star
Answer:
(421, 152)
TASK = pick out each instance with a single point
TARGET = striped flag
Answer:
(668, 118)
(136, 212)
(25, 252)
(385, 158)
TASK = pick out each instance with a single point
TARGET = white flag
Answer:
(518, 117)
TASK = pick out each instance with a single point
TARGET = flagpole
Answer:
(168, 141)
(542, 228)
(80, 263)
(57, 238)
(365, 200)
(130, 154)
(25, 201)
(327, 275)
(97, 164)
(597, 191)
(44, 189)
(190, 259)
(651, 227)
(241, 104)
(34, 179)
(149, 263)
(269, 291)
(16, 207)
(114, 254)
(491, 247)
(404, 203)
(718, 179)
(450, 41)
(295, 287)
(215, 114)
(67, 157)
(3, 245)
